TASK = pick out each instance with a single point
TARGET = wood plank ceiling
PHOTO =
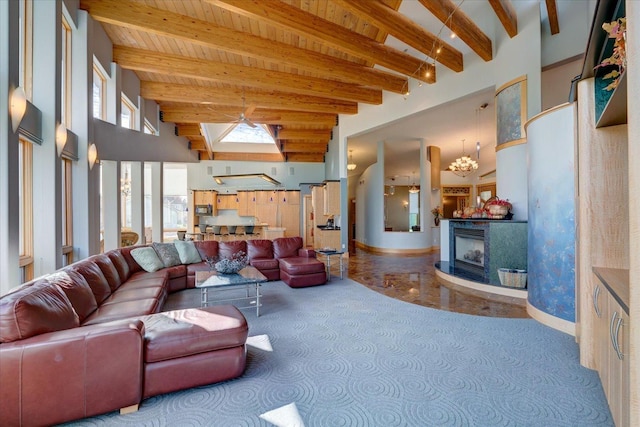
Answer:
(298, 63)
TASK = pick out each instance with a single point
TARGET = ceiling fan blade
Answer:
(248, 122)
(249, 110)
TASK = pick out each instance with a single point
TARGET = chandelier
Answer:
(414, 189)
(464, 165)
(125, 184)
(351, 166)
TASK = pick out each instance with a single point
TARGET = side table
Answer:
(328, 255)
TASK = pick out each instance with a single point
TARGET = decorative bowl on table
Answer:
(232, 265)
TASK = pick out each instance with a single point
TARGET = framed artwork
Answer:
(511, 112)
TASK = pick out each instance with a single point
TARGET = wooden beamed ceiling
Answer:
(297, 64)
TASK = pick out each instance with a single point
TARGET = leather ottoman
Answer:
(300, 272)
(193, 347)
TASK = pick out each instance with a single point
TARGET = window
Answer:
(26, 47)
(65, 78)
(67, 213)
(99, 90)
(174, 201)
(127, 114)
(25, 203)
(148, 128)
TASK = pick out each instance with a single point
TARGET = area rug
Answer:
(344, 355)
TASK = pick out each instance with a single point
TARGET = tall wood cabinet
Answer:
(609, 223)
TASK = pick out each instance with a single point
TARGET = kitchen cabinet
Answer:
(247, 203)
(317, 201)
(266, 197)
(332, 198)
(289, 219)
(610, 309)
(204, 197)
(289, 197)
(228, 201)
(326, 239)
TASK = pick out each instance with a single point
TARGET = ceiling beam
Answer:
(552, 13)
(464, 28)
(136, 16)
(195, 143)
(327, 33)
(187, 129)
(175, 65)
(212, 96)
(303, 147)
(507, 15)
(247, 157)
(304, 157)
(405, 30)
(212, 114)
(310, 134)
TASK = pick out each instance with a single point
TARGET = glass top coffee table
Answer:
(248, 276)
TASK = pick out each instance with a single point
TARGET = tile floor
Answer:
(412, 278)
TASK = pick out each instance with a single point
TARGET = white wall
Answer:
(575, 23)
(513, 57)
(556, 83)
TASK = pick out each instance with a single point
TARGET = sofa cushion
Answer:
(34, 310)
(176, 271)
(123, 310)
(147, 258)
(120, 264)
(259, 248)
(284, 247)
(301, 265)
(94, 277)
(77, 290)
(134, 267)
(207, 248)
(187, 252)
(167, 253)
(132, 294)
(109, 270)
(229, 249)
(265, 263)
(192, 268)
(181, 333)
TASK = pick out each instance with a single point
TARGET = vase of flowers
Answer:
(437, 213)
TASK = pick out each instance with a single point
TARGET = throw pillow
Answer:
(147, 258)
(187, 252)
(167, 253)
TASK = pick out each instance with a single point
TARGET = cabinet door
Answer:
(290, 219)
(289, 197)
(266, 197)
(317, 200)
(247, 204)
(332, 198)
(618, 369)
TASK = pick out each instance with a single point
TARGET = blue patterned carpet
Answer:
(348, 356)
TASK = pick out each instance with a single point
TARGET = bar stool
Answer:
(217, 232)
(249, 231)
(232, 231)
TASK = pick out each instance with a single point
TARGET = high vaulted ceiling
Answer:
(299, 64)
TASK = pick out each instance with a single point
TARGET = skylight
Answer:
(243, 133)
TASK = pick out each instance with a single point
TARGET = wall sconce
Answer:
(405, 204)
(92, 155)
(17, 107)
(61, 138)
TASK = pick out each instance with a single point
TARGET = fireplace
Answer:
(469, 250)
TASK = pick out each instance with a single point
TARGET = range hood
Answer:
(246, 180)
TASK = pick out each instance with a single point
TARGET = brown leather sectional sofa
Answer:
(92, 337)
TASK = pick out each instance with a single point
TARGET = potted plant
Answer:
(616, 30)
(437, 213)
